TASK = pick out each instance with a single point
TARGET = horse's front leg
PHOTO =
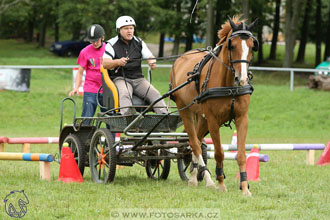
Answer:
(199, 168)
(203, 171)
(188, 121)
(242, 127)
(219, 154)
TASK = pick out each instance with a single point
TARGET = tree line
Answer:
(303, 21)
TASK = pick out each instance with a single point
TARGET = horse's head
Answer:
(240, 45)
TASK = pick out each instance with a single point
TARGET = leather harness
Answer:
(216, 92)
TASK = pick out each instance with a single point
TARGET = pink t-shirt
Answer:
(91, 59)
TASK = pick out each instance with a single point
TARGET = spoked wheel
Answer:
(183, 166)
(102, 156)
(78, 151)
(183, 163)
(158, 169)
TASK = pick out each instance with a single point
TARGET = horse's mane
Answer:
(226, 28)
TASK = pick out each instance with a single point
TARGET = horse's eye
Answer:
(232, 47)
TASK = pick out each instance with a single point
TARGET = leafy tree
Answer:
(176, 25)
(245, 9)
(304, 32)
(191, 25)
(318, 30)
(12, 24)
(6, 4)
(291, 22)
(165, 12)
(260, 10)
(75, 15)
(327, 33)
(210, 24)
(223, 9)
(276, 28)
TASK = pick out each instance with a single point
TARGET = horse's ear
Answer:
(250, 27)
(232, 24)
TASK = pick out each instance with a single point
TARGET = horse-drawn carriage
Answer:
(147, 139)
(210, 88)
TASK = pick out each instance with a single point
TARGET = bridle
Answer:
(239, 33)
(246, 34)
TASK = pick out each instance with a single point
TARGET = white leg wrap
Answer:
(193, 175)
(208, 180)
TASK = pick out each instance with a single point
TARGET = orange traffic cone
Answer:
(69, 171)
(252, 165)
(325, 156)
(117, 137)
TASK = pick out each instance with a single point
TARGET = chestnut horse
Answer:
(224, 95)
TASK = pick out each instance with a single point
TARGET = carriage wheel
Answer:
(158, 169)
(102, 156)
(183, 163)
(183, 166)
(78, 151)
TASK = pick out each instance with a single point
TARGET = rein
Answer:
(217, 58)
(174, 57)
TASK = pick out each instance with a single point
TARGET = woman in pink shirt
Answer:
(90, 59)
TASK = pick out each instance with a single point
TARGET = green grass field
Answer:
(289, 189)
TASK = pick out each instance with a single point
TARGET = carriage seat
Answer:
(111, 97)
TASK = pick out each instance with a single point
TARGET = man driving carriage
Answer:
(122, 57)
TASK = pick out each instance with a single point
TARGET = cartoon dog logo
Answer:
(15, 204)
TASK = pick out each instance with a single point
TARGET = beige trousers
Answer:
(141, 88)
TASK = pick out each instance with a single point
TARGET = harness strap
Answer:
(231, 114)
(224, 92)
(200, 174)
(216, 57)
(200, 65)
(243, 177)
(207, 77)
(219, 172)
(193, 166)
(239, 61)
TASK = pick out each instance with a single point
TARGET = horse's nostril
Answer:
(243, 82)
(237, 81)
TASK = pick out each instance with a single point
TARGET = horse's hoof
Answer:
(193, 183)
(247, 193)
(211, 185)
(222, 188)
(209, 182)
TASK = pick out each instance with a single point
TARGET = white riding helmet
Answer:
(124, 21)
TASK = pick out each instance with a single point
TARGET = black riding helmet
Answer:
(95, 32)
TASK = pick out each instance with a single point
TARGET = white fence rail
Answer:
(282, 69)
